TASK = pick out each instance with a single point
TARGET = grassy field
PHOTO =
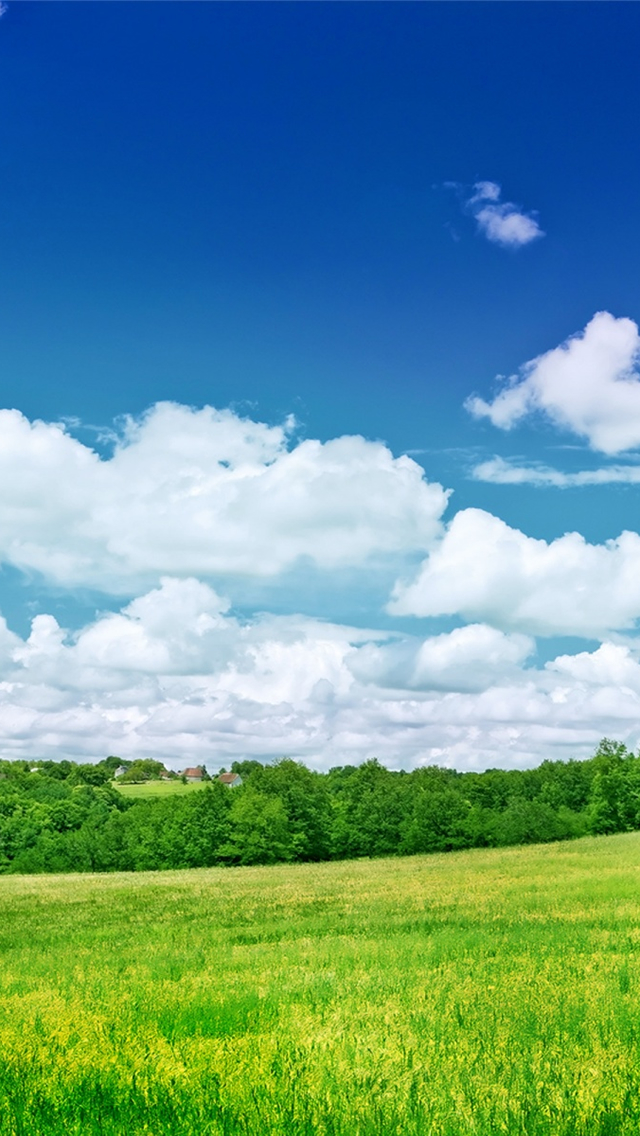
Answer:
(472, 994)
(157, 788)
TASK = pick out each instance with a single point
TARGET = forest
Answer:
(68, 817)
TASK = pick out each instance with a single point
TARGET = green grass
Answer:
(475, 994)
(156, 788)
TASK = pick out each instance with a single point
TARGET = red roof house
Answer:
(230, 779)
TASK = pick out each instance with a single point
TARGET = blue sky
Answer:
(326, 221)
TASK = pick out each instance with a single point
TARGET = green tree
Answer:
(259, 829)
(438, 822)
(306, 802)
(369, 807)
(144, 769)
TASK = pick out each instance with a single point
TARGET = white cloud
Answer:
(466, 659)
(174, 676)
(192, 496)
(589, 385)
(503, 223)
(485, 191)
(206, 493)
(612, 665)
(484, 570)
(501, 472)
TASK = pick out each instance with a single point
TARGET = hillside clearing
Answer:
(157, 788)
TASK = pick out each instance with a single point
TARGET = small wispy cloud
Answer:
(501, 472)
(4, 8)
(501, 222)
(485, 191)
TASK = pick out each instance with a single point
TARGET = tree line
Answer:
(67, 817)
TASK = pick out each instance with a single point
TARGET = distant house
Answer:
(120, 770)
(193, 774)
(230, 779)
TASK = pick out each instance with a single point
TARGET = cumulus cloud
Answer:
(484, 570)
(501, 472)
(202, 492)
(613, 665)
(467, 658)
(174, 675)
(589, 385)
(501, 222)
(192, 497)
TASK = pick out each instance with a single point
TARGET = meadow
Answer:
(468, 994)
